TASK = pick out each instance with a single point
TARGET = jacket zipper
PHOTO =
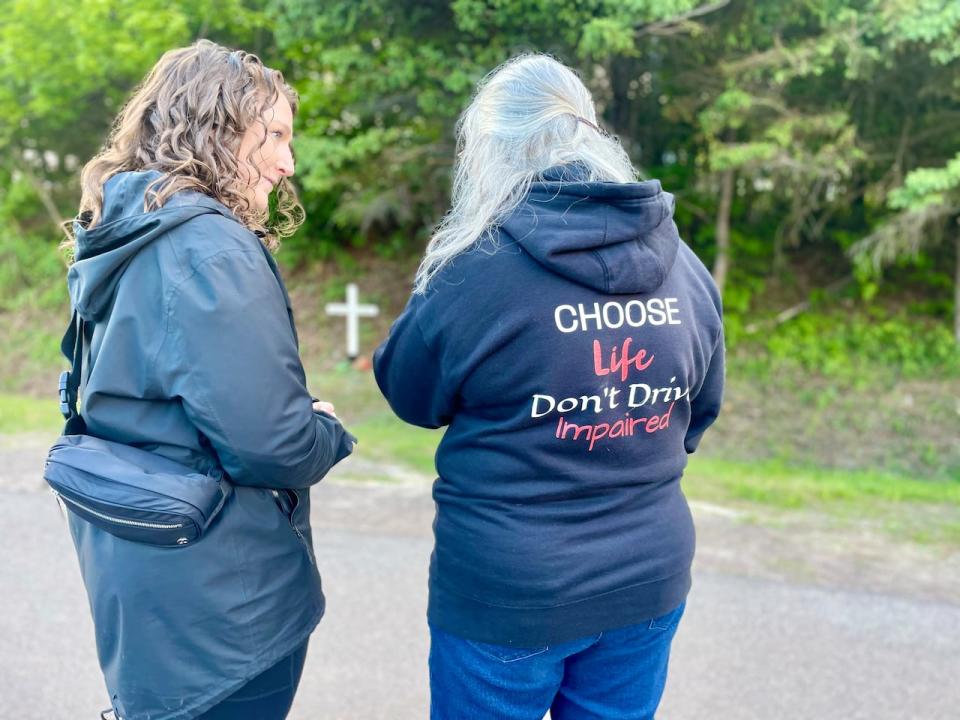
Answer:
(303, 541)
(119, 521)
(296, 504)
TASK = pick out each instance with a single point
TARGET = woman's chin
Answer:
(260, 202)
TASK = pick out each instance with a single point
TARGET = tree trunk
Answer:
(779, 256)
(956, 292)
(44, 194)
(721, 264)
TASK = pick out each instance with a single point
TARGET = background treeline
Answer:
(813, 146)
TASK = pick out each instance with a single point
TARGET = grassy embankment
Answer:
(871, 436)
(921, 510)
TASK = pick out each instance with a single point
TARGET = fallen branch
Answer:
(794, 310)
(669, 26)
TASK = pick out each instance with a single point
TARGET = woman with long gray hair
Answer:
(573, 345)
(191, 355)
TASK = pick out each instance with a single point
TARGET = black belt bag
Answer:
(131, 493)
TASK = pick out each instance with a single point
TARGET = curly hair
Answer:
(186, 120)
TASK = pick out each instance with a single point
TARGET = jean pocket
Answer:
(505, 653)
(670, 620)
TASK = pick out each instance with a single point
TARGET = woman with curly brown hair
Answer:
(191, 354)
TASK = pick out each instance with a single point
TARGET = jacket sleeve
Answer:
(705, 405)
(409, 374)
(237, 371)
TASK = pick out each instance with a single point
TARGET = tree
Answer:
(929, 212)
(778, 122)
(383, 82)
(926, 199)
(66, 69)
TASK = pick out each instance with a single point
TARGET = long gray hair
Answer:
(529, 114)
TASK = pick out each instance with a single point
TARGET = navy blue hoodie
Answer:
(577, 357)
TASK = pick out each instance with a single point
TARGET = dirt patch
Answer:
(322, 338)
(812, 549)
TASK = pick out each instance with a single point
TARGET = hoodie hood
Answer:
(104, 252)
(616, 238)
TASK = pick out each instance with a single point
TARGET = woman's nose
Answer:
(285, 162)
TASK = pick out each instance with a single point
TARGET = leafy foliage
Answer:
(831, 122)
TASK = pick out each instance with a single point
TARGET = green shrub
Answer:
(849, 346)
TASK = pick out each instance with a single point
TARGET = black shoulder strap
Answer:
(72, 347)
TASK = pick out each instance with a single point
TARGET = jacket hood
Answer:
(102, 254)
(616, 238)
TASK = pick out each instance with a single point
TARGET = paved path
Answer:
(776, 627)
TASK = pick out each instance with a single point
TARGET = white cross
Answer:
(352, 310)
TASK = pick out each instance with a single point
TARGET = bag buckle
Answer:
(64, 394)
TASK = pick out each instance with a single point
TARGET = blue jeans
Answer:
(614, 675)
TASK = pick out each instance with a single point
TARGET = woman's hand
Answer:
(321, 406)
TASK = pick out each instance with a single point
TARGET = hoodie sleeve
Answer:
(408, 373)
(238, 373)
(705, 405)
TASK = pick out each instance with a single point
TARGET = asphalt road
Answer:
(765, 636)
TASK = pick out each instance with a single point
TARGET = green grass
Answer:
(900, 506)
(786, 486)
(903, 506)
(354, 393)
(23, 413)
(384, 438)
